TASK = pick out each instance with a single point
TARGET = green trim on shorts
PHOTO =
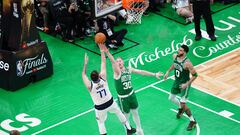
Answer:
(184, 93)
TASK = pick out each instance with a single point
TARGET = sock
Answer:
(189, 114)
(191, 118)
(102, 128)
(123, 119)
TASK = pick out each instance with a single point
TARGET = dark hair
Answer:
(94, 75)
(14, 132)
(185, 48)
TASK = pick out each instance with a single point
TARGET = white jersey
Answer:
(180, 3)
(100, 92)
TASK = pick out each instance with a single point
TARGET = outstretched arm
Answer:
(115, 67)
(84, 76)
(192, 70)
(147, 73)
(103, 73)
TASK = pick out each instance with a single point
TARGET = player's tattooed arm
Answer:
(189, 66)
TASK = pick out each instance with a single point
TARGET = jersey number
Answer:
(177, 73)
(102, 92)
(127, 85)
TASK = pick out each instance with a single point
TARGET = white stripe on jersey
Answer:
(100, 92)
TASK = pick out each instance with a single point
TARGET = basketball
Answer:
(100, 38)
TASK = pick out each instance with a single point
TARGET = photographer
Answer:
(60, 12)
(78, 19)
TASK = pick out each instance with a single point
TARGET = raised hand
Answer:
(85, 59)
(165, 76)
(102, 47)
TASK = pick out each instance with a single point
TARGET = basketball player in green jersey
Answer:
(123, 83)
(182, 67)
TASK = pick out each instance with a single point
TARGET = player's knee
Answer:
(180, 11)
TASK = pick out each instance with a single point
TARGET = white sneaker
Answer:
(112, 46)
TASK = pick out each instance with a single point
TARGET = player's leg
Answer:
(174, 99)
(101, 117)
(175, 90)
(184, 12)
(137, 121)
(115, 109)
(124, 106)
(134, 109)
(184, 96)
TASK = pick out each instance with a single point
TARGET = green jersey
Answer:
(181, 74)
(124, 83)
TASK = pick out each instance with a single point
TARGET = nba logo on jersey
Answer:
(19, 68)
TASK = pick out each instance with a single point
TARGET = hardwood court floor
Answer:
(221, 76)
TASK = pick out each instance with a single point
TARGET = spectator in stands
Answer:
(183, 8)
(153, 5)
(85, 11)
(59, 11)
(43, 7)
(78, 19)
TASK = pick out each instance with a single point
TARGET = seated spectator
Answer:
(114, 38)
(183, 8)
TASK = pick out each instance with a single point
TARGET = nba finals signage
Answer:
(230, 41)
(31, 65)
(19, 68)
(24, 57)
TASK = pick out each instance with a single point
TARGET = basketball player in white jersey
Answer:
(102, 97)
